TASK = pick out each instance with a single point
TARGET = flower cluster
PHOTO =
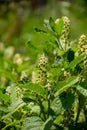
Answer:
(42, 69)
(82, 47)
(82, 44)
(66, 30)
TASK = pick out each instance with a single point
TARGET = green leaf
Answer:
(14, 107)
(76, 61)
(52, 23)
(48, 124)
(64, 85)
(58, 119)
(40, 30)
(82, 90)
(62, 102)
(70, 55)
(17, 115)
(57, 106)
(46, 24)
(29, 44)
(33, 87)
(2, 108)
(45, 106)
(13, 93)
(4, 97)
(59, 26)
(67, 99)
(35, 109)
(33, 123)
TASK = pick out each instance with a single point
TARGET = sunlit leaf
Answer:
(34, 109)
(59, 26)
(58, 119)
(33, 123)
(82, 90)
(34, 88)
(46, 24)
(57, 106)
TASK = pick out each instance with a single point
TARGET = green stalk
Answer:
(48, 103)
(41, 108)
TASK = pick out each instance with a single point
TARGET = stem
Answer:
(78, 113)
(80, 106)
(85, 113)
(41, 108)
(48, 103)
(59, 44)
(13, 124)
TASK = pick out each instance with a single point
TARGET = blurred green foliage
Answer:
(18, 20)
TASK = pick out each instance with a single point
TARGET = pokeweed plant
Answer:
(54, 97)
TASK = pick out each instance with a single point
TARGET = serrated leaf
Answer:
(64, 85)
(48, 124)
(33, 87)
(59, 26)
(33, 123)
(76, 61)
(82, 90)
